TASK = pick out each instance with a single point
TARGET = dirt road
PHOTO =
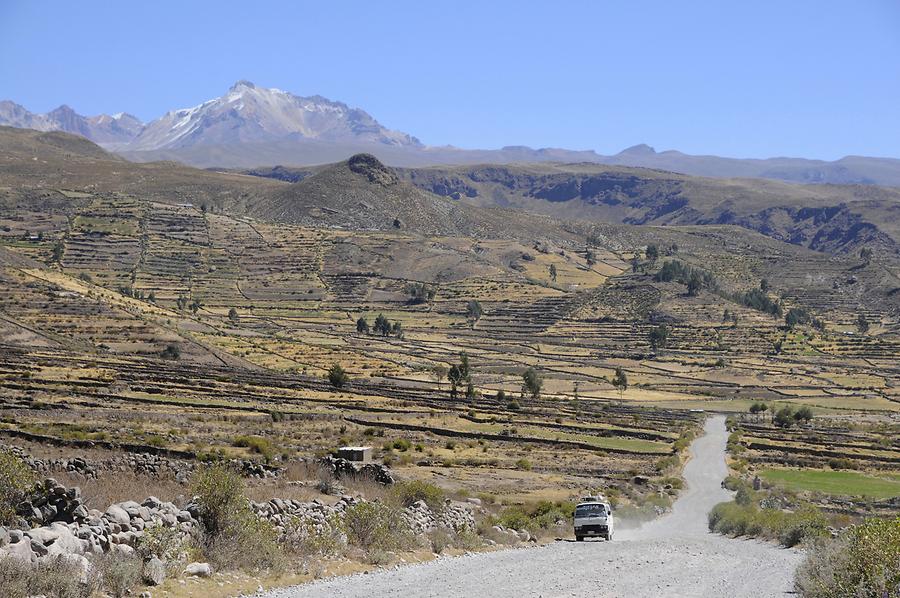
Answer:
(672, 556)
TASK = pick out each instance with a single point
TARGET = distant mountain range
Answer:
(252, 126)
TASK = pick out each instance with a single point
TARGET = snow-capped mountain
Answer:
(104, 129)
(251, 114)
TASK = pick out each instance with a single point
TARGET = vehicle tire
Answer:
(607, 537)
(579, 538)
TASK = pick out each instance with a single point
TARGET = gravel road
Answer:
(674, 556)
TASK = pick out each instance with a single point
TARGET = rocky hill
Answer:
(830, 218)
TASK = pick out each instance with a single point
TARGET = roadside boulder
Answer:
(198, 570)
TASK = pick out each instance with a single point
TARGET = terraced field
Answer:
(178, 323)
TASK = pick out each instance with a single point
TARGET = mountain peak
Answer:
(636, 150)
(243, 83)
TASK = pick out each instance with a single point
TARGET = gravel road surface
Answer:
(672, 556)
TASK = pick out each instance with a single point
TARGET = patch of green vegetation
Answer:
(840, 483)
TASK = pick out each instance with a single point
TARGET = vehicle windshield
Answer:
(590, 511)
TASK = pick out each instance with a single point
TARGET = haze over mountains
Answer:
(253, 126)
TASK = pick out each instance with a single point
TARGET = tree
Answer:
(337, 376)
(532, 383)
(439, 372)
(764, 285)
(362, 326)
(196, 305)
(757, 408)
(862, 324)
(232, 314)
(590, 257)
(419, 293)
(459, 374)
(796, 316)
(382, 325)
(659, 338)
(694, 285)
(470, 391)
(171, 352)
(784, 417)
(553, 272)
(652, 253)
(620, 382)
(474, 310)
(804, 414)
(58, 249)
(397, 330)
(635, 263)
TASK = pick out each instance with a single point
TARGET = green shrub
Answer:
(413, 491)
(402, 444)
(789, 528)
(16, 479)
(233, 536)
(523, 464)
(376, 527)
(536, 518)
(256, 444)
(864, 562)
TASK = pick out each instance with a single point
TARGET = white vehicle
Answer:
(593, 517)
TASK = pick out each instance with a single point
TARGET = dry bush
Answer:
(54, 578)
(119, 572)
(302, 539)
(863, 563)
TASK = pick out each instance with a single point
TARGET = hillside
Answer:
(829, 218)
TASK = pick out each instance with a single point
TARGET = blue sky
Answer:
(737, 78)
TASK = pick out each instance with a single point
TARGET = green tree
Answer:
(764, 285)
(474, 310)
(58, 249)
(862, 324)
(233, 314)
(659, 338)
(804, 414)
(757, 408)
(784, 417)
(620, 382)
(171, 352)
(652, 253)
(382, 325)
(362, 326)
(459, 374)
(694, 285)
(337, 376)
(553, 272)
(532, 383)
